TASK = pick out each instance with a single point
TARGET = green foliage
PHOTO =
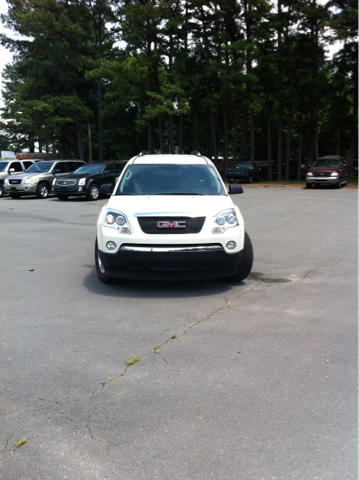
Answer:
(186, 73)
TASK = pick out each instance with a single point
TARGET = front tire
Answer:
(42, 191)
(93, 192)
(100, 269)
(1, 190)
(308, 185)
(245, 266)
(250, 179)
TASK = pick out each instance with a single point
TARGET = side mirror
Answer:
(234, 189)
(106, 189)
(344, 164)
(11, 169)
(106, 172)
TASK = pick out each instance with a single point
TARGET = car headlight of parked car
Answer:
(224, 220)
(82, 181)
(117, 220)
(334, 174)
(7, 181)
(309, 174)
(30, 180)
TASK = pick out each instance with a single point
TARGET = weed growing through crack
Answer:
(20, 442)
(174, 336)
(134, 360)
(111, 379)
(157, 351)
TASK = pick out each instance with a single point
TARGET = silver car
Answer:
(38, 178)
(11, 167)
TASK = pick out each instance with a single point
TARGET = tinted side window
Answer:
(27, 164)
(61, 167)
(79, 164)
(16, 165)
(119, 167)
(110, 168)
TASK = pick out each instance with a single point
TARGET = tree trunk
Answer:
(225, 127)
(252, 137)
(90, 146)
(160, 131)
(214, 140)
(289, 138)
(269, 148)
(280, 140)
(300, 148)
(180, 133)
(197, 145)
(235, 134)
(100, 120)
(150, 137)
(170, 135)
(242, 147)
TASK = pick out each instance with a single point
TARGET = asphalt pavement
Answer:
(254, 381)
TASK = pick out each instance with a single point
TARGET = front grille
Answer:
(149, 225)
(322, 174)
(171, 265)
(66, 182)
(14, 182)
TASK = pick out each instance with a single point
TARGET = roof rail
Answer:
(194, 152)
(143, 153)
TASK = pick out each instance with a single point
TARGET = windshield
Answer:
(90, 169)
(327, 163)
(3, 165)
(155, 179)
(40, 167)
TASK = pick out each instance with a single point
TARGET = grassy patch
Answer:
(134, 360)
(20, 442)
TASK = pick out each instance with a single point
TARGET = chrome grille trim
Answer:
(197, 248)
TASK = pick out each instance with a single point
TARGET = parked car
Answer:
(329, 170)
(11, 167)
(38, 178)
(244, 171)
(87, 180)
(171, 218)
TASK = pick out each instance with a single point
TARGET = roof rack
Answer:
(143, 153)
(194, 152)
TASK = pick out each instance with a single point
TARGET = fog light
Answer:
(111, 245)
(231, 245)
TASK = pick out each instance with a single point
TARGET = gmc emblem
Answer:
(167, 224)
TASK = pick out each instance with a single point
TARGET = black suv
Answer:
(86, 180)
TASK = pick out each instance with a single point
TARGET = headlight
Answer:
(117, 220)
(334, 174)
(224, 220)
(30, 180)
(309, 174)
(82, 181)
(7, 181)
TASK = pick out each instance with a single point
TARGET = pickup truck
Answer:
(248, 172)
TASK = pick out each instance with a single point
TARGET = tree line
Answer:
(233, 79)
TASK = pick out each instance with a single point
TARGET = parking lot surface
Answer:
(250, 381)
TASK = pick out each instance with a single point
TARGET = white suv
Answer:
(170, 218)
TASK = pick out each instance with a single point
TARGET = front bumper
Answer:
(23, 189)
(165, 263)
(323, 180)
(73, 190)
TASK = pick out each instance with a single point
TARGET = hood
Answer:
(76, 176)
(26, 175)
(186, 205)
(324, 169)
